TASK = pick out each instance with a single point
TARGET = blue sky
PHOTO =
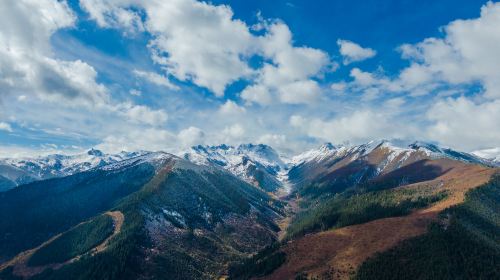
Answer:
(164, 75)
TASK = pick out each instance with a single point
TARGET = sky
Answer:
(166, 75)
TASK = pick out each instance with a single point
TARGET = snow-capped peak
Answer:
(225, 155)
(257, 164)
(58, 165)
(394, 147)
(324, 151)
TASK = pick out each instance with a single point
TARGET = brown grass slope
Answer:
(336, 254)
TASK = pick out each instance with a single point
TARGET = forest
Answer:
(465, 244)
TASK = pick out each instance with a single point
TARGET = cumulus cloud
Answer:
(465, 123)
(231, 108)
(200, 56)
(187, 37)
(353, 52)
(257, 94)
(468, 52)
(26, 63)
(289, 78)
(465, 56)
(204, 44)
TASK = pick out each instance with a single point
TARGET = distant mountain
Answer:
(18, 171)
(179, 219)
(259, 165)
(339, 167)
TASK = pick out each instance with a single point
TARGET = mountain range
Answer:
(18, 171)
(247, 211)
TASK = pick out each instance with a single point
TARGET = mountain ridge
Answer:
(258, 164)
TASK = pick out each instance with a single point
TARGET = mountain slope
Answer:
(180, 219)
(337, 253)
(259, 165)
(360, 200)
(334, 169)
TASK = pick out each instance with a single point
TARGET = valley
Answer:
(237, 213)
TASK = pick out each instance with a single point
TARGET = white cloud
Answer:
(305, 91)
(467, 53)
(341, 86)
(353, 52)
(17, 151)
(231, 108)
(156, 79)
(5, 127)
(289, 78)
(492, 153)
(216, 50)
(359, 126)
(257, 94)
(464, 123)
(108, 15)
(233, 133)
(195, 41)
(138, 139)
(191, 136)
(26, 65)
(274, 140)
(143, 114)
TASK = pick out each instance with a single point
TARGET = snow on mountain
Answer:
(258, 164)
(17, 171)
(493, 155)
(351, 164)
(395, 149)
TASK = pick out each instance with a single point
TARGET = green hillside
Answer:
(347, 209)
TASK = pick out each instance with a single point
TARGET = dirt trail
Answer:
(118, 219)
(336, 254)
(20, 262)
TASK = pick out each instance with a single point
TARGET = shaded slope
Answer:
(186, 221)
(33, 213)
